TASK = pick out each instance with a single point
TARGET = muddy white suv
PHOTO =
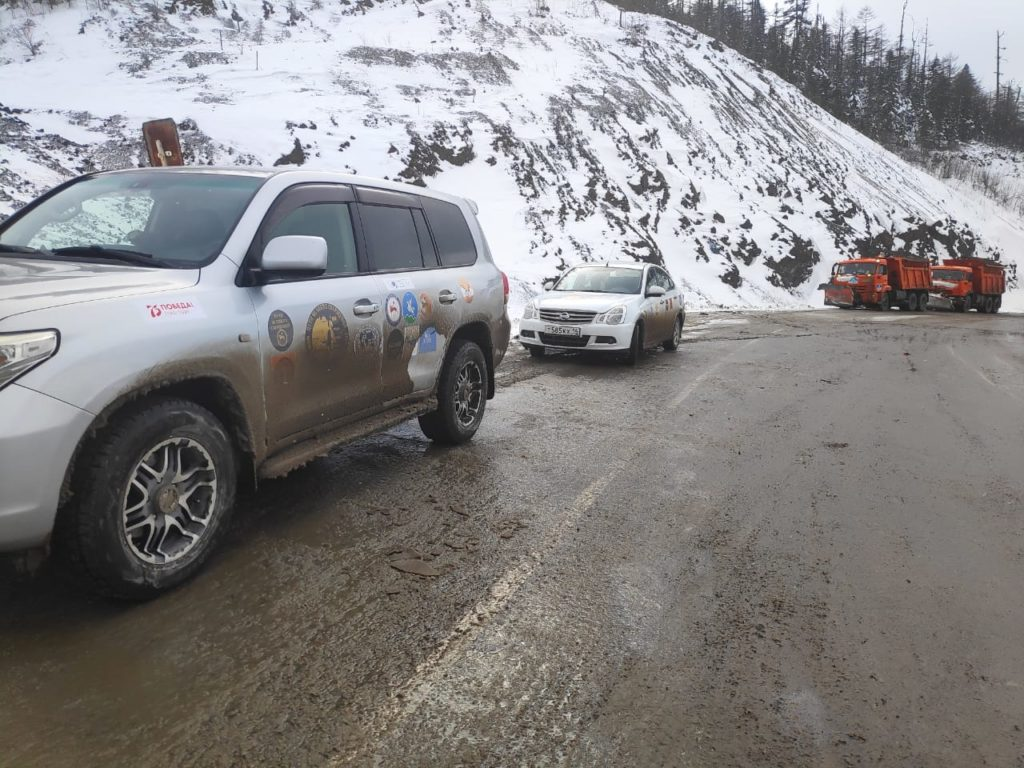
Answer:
(165, 332)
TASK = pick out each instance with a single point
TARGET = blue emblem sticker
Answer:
(428, 341)
(410, 308)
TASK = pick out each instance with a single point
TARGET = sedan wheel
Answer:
(677, 334)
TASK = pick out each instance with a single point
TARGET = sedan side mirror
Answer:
(655, 291)
(292, 254)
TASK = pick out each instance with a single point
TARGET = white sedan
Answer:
(622, 308)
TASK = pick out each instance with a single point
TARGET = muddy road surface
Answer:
(798, 541)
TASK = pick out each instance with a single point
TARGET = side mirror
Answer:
(548, 285)
(822, 286)
(655, 291)
(295, 254)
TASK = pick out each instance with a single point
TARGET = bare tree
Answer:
(25, 35)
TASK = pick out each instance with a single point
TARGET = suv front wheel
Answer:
(461, 396)
(151, 498)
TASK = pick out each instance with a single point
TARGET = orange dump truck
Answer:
(971, 283)
(882, 283)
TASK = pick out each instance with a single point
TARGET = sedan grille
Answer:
(566, 316)
(563, 341)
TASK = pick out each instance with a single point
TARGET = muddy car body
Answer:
(300, 310)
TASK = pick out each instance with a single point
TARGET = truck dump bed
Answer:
(909, 274)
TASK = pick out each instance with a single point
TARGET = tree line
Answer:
(897, 91)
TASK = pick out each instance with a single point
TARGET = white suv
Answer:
(163, 331)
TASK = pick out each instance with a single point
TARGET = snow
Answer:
(577, 138)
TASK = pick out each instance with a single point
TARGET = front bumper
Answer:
(38, 435)
(594, 337)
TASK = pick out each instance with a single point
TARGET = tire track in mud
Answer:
(452, 668)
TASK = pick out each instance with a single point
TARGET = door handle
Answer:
(447, 297)
(365, 309)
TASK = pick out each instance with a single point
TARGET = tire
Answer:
(677, 333)
(922, 303)
(997, 303)
(968, 303)
(461, 396)
(912, 302)
(960, 306)
(124, 496)
(636, 346)
(885, 304)
(989, 304)
(535, 351)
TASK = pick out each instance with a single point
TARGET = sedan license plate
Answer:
(562, 330)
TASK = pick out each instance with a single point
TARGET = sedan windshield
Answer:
(857, 269)
(164, 219)
(601, 280)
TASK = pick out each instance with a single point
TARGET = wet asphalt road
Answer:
(798, 541)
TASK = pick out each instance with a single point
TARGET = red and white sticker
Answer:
(393, 309)
(178, 309)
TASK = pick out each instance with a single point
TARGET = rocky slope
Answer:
(582, 134)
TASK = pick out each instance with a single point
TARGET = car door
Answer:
(418, 310)
(321, 338)
(652, 308)
(668, 305)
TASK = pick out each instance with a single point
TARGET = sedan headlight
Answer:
(613, 316)
(21, 352)
(530, 313)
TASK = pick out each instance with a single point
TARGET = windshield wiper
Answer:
(5, 248)
(137, 258)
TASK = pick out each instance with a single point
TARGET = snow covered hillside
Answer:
(579, 138)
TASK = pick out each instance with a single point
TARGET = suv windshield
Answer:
(857, 269)
(175, 219)
(601, 280)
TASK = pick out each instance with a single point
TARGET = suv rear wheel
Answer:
(461, 396)
(152, 498)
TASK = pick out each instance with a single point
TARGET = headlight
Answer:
(613, 316)
(530, 313)
(21, 352)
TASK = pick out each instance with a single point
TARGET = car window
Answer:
(391, 238)
(332, 222)
(426, 242)
(451, 233)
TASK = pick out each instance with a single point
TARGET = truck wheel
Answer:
(968, 303)
(885, 304)
(151, 499)
(677, 333)
(461, 396)
(988, 305)
(912, 302)
(997, 303)
(923, 302)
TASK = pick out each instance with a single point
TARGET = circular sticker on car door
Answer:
(393, 309)
(326, 333)
(280, 330)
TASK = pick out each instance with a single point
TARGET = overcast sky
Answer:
(966, 28)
